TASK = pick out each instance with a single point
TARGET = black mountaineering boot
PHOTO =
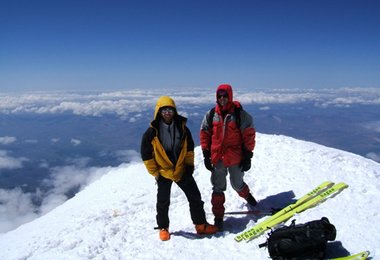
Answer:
(219, 223)
(251, 200)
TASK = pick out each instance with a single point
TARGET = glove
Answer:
(207, 160)
(245, 163)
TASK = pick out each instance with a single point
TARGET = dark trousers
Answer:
(190, 188)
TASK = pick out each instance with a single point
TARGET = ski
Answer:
(259, 212)
(360, 256)
(310, 203)
(306, 205)
(309, 195)
(319, 194)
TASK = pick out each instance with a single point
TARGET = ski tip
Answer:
(343, 185)
(360, 256)
(365, 254)
(327, 183)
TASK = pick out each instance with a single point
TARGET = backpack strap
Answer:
(236, 113)
(237, 116)
(211, 117)
(265, 244)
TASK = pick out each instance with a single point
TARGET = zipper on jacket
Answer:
(224, 132)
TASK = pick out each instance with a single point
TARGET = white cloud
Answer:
(373, 126)
(51, 201)
(8, 162)
(16, 208)
(78, 162)
(374, 156)
(123, 103)
(75, 142)
(7, 139)
(55, 140)
(128, 156)
(65, 179)
(43, 164)
(264, 108)
(31, 141)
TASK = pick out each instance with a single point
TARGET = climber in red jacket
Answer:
(227, 140)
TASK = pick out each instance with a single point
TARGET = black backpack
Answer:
(301, 241)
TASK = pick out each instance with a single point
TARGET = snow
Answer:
(114, 217)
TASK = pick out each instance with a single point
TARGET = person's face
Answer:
(222, 99)
(167, 114)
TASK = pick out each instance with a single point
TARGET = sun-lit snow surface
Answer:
(114, 217)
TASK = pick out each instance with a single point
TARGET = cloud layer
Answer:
(123, 103)
(7, 140)
(9, 162)
(18, 207)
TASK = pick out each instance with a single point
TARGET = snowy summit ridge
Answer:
(114, 217)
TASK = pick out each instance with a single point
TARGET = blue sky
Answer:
(119, 45)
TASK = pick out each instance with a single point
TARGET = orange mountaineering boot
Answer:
(206, 229)
(164, 234)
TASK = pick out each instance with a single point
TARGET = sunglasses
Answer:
(167, 110)
(223, 96)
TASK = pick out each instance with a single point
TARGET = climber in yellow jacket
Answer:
(167, 149)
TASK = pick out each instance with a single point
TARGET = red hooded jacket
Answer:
(222, 137)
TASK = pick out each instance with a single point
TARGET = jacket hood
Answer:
(227, 88)
(164, 101)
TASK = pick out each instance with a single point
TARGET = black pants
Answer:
(190, 188)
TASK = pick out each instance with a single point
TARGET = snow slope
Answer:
(114, 217)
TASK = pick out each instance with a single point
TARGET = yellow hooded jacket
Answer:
(153, 153)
